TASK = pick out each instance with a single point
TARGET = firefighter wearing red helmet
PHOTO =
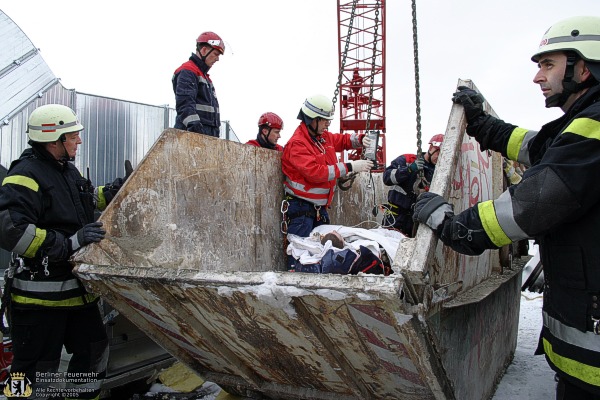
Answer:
(269, 132)
(556, 203)
(196, 100)
(406, 183)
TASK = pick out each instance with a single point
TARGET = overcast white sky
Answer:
(280, 51)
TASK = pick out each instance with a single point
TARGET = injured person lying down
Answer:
(338, 249)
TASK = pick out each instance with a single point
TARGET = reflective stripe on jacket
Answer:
(402, 180)
(42, 204)
(311, 169)
(557, 203)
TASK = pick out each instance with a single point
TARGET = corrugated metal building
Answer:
(115, 130)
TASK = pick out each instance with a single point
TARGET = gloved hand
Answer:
(431, 209)
(128, 170)
(367, 141)
(90, 233)
(361, 165)
(195, 126)
(417, 165)
(471, 100)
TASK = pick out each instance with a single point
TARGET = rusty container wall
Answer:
(194, 257)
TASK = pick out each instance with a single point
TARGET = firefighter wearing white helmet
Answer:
(46, 214)
(195, 95)
(311, 166)
(556, 203)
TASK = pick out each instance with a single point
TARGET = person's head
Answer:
(569, 60)
(433, 152)
(209, 46)
(269, 127)
(56, 127)
(336, 239)
(317, 113)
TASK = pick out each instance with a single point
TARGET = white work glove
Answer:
(367, 142)
(361, 165)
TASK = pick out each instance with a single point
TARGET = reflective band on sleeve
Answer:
(492, 228)
(23, 181)
(330, 172)
(576, 369)
(515, 143)
(206, 108)
(30, 241)
(194, 117)
(506, 218)
(354, 138)
(585, 127)
(393, 176)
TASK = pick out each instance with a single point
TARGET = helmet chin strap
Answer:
(569, 85)
(312, 130)
(65, 157)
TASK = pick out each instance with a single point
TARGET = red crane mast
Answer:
(361, 83)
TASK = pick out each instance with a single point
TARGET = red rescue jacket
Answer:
(311, 168)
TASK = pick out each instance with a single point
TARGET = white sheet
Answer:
(309, 250)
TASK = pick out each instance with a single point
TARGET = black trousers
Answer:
(38, 337)
(567, 391)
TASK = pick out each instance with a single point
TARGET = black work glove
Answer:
(431, 209)
(128, 170)
(195, 126)
(90, 233)
(471, 100)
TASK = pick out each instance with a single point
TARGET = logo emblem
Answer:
(18, 385)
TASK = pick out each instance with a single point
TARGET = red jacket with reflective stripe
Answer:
(311, 169)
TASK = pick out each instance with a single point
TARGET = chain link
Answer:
(417, 90)
(345, 54)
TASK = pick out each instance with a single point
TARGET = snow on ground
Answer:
(528, 377)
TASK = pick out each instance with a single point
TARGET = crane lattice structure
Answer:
(361, 33)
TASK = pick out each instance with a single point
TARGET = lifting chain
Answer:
(417, 90)
(345, 54)
(421, 183)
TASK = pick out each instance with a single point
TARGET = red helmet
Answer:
(213, 40)
(437, 140)
(270, 119)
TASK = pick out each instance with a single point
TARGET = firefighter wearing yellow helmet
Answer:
(46, 214)
(311, 167)
(557, 202)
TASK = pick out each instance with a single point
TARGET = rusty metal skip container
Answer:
(194, 257)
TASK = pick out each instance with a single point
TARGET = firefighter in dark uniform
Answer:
(403, 175)
(46, 214)
(557, 202)
(195, 97)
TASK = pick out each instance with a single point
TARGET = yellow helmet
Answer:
(578, 34)
(318, 106)
(48, 123)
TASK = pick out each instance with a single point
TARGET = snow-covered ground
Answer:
(528, 377)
